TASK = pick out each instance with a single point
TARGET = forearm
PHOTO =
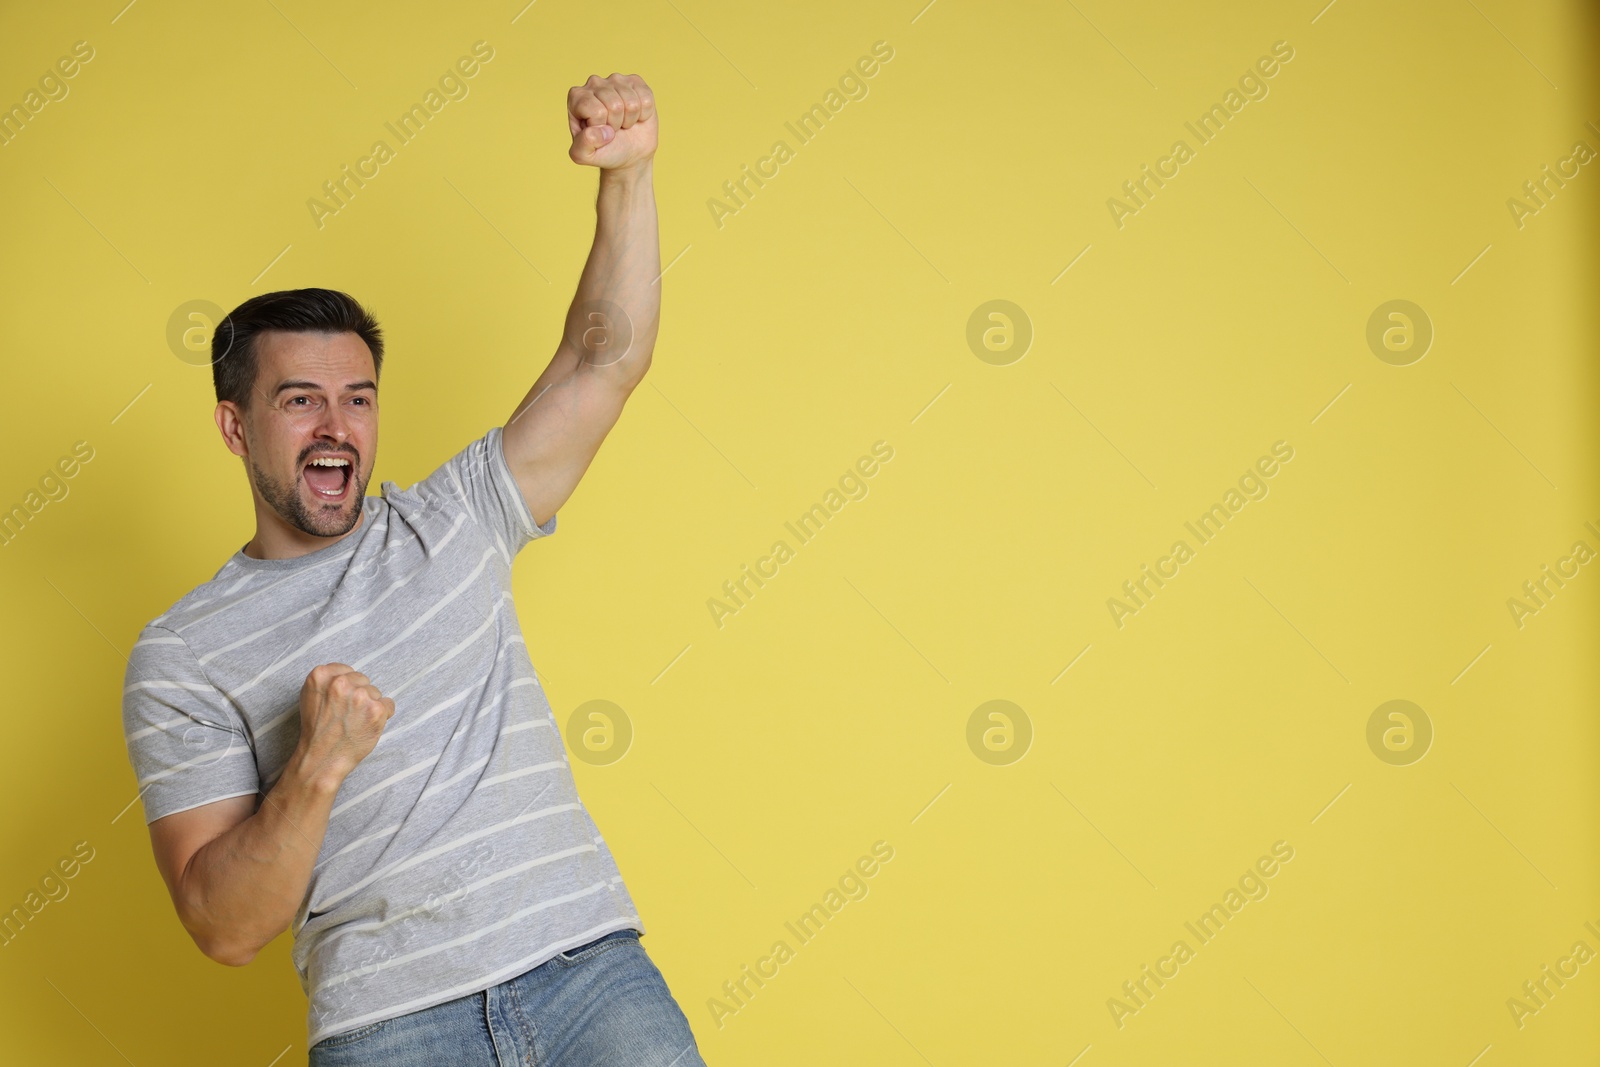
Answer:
(242, 889)
(609, 335)
(623, 269)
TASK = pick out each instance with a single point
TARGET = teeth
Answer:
(330, 462)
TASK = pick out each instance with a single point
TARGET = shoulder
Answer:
(197, 600)
(157, 642)
(160, 660)
(475, 481)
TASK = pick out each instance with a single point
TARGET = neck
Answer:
(276, 539)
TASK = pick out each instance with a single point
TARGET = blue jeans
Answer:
(604, 1003)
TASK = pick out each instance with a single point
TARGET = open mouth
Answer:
(329, 477)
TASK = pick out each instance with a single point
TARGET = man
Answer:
(341, 732)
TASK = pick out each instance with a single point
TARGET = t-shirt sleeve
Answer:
(478, 480)
(186, 741)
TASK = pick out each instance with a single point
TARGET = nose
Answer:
(333, 426)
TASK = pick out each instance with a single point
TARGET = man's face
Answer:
(310, 432)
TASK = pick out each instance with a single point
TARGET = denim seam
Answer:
(594, 950)
(353, 1036)
(523, 1023)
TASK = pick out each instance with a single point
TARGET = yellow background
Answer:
(823, 317)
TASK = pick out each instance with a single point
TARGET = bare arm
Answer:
(610, 330)
(237, 879)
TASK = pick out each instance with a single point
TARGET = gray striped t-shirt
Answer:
(458, 854)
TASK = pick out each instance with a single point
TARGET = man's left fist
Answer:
(613, 121)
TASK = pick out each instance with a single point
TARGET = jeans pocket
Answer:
(602, 944)
(350, 1037)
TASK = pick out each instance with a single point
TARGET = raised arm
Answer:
(610, 332)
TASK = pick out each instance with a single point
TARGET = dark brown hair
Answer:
(233, 349)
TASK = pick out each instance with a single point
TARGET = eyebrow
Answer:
(297, 383)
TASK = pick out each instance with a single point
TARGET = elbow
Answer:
(217, 934)
(218, 946)
(229, 955)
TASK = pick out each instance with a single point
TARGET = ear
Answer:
(230, 423)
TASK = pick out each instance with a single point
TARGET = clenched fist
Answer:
(613, 121)
(342, 715)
